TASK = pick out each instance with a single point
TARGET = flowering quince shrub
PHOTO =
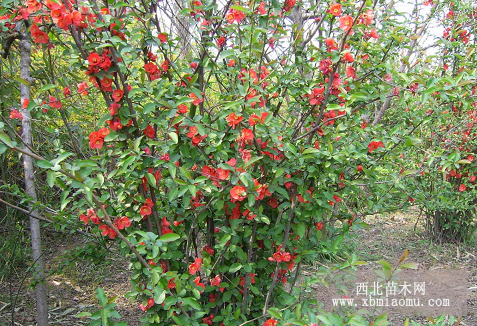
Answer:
(223, 169)
(445, 156)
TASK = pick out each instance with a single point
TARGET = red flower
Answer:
(335, 9)
(145, 210)
(273, 202)
(83, 88)
(254, 119)
(350, 72)
(360, 168)
(209, 250)
(38, 36)
(233, 120)
(220, 41)
(348, 57)
(318, 226)
(117, 95)
(270, 322)
(238, 193)
(372, 146)
(208, 320)
(151, 68)
(222, 174)
(462, 188)
(95, 140)
(198, 283)
(14, 114)
(54, 103)
(196, 101)
(182, 108)
(94, 59)
(195, 266)
(162, 37)
(215, 281)
(346, 23)
(316, 97)
(171, 284)
(373, 33)
(107, 231)
(149, 132)
(122, 222)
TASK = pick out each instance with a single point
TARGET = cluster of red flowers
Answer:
(195, 266)
(90, 216)
(146, 209)
(374, 145)
(154, 72)
(289, 4)
(196, 138)
(280, 256)
(235, 15)
(96, 138)
(215, 175)
(149, 304)
(245, 137)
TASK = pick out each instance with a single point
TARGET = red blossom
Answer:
(335, 9)
(238, 193)
(215, 281)
(233, 119)
(149, 132)
(162, 37)
(14, 114)
(195, 266)
(270, 322)
(346, 23)
(117, 95)
(198, 283)
(83, 88)
(196, 100)
(372, 146)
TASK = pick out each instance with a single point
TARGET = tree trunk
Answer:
(39, 267)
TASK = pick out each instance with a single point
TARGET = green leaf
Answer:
(168, 237)
(274, 312)
(44, 164)
(235, 267)
(279, 172)
(191, 302)
(310, 150)
(151, 179)
(385, 264)
(239, 8)
(5, 139)
(253, 160)
(174, 137)
(155, 277)
(101, 297)
(47, 87)
(223, 241)
(409, 266)
(159, 298)
(225, 54)
(50, 178)
(148, 108)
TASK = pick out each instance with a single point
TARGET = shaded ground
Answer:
(74, 289)
(71, 291)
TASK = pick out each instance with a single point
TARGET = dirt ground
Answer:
(73, 290)
(389, 236)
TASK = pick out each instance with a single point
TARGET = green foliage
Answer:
(107, 315)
